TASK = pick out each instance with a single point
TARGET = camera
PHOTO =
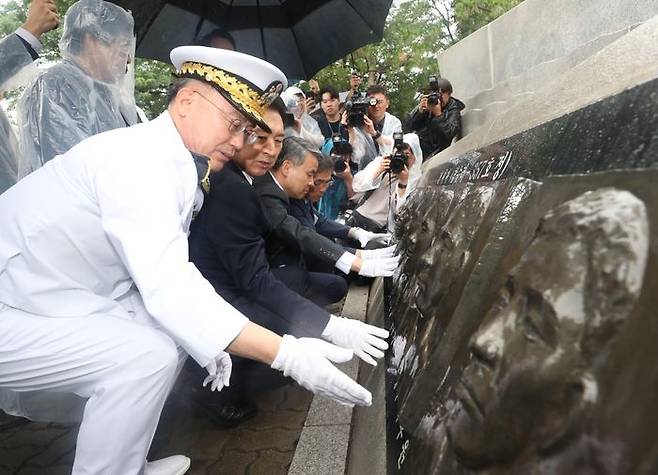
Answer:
(356, 109)
(435, 92)
(398, 159)
(340, 149)
(434, 84)
(339, 163)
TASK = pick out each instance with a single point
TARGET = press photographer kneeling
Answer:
(385, 183)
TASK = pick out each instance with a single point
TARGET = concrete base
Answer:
(337, 439)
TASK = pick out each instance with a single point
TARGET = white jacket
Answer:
(114, 212)
(364, 147)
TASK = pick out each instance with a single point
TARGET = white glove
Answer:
(308, 361)
(364, 237)
(367, 341)
(219, 372)
(384, 266)
(367, 254)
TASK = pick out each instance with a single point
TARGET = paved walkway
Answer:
(263, 445)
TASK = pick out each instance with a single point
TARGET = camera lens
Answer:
(339, 164)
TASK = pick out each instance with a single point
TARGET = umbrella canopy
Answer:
(298, 36)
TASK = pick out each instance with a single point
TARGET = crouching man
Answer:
(227, 244)
(292, 176)
(97, 294)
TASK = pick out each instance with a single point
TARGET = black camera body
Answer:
(339, 163)
(398, 158)
(434, 96)
(339, 150)
(357, 109)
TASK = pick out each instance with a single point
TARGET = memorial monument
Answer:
(522, 315)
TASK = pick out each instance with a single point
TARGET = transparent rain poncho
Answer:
(90, 91)
(294, 98)
(14, 57)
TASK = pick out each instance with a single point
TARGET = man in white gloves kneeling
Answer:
(291, 243)
(97, 294)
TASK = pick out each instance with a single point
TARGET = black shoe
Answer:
(227, 414)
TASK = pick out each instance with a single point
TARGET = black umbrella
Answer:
(299, 36)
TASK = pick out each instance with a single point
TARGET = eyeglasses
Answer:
(235, 126)
(319, 183)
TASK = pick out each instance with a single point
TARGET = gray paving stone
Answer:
(327, 412)
(321, 450)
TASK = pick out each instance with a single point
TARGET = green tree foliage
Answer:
(471, 15)
(415, 32)
(403, 60)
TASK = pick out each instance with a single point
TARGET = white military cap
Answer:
(248, 83)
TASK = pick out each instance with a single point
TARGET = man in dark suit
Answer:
(227, 246)
(307, 215)
(291, 177)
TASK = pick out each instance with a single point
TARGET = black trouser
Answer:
(320, 288)
(359, 221)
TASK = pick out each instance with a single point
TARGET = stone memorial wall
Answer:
(523, 314)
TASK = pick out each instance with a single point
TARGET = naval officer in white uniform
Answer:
(97, 295)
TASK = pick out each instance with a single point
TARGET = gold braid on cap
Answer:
(249, 99)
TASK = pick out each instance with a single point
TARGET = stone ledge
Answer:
(324, 442)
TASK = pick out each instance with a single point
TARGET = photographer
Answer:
(386, 182)
(437, 119)
(355, 83)
(336, 199)
(370, 126)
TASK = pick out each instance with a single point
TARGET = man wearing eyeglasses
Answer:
(375, 136)
(227, 245)
(304, 210)
(97, 294)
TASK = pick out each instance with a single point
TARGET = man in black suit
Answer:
(227, 246)
(305, 212)
(291, 177)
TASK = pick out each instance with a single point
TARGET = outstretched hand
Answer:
(309, 362)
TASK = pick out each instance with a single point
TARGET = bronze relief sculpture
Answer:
(533, 376)
(532, 392)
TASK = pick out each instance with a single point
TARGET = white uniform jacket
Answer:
(112, 212)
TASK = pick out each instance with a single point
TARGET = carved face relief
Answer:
(448, 250)
(530, 377)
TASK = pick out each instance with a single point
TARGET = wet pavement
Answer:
(262, 445)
